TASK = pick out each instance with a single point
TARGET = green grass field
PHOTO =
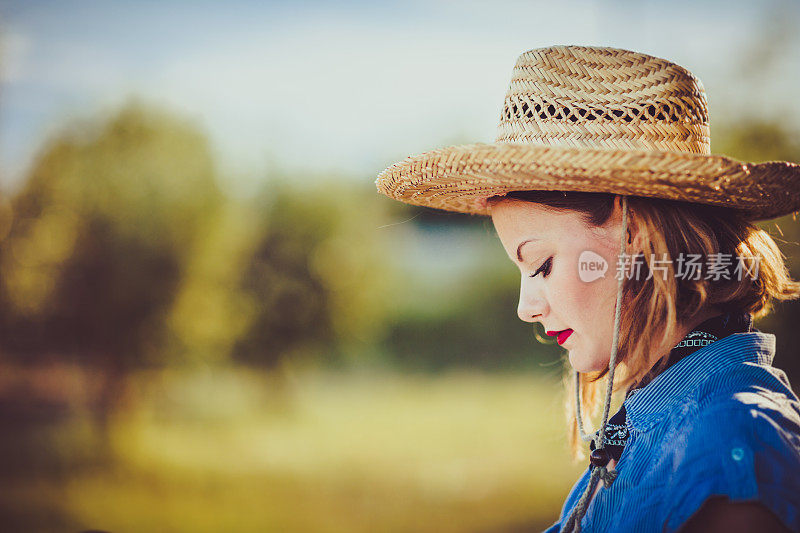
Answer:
(231, 451)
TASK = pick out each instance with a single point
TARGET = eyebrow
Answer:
(519, 248)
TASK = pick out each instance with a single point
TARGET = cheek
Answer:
(568, 293)
(583, 304)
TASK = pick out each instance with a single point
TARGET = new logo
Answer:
(591, 266)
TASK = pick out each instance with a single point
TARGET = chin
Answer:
(583, 362)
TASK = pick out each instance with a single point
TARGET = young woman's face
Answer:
(551, 243)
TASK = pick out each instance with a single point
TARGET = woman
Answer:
(637, 250)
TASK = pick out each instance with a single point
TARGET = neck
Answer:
(684, 328)
(681, 331)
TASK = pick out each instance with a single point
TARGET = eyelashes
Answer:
(544, 269)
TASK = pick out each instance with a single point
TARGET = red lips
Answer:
(562, 335)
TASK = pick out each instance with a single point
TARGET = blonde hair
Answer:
(656, 306)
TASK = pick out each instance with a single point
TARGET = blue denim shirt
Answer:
(721, 421)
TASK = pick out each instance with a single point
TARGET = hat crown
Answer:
(606, 98)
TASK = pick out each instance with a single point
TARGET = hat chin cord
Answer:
(600, 471)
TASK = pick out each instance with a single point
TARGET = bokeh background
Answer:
(210, 320)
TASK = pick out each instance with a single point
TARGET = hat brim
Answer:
(461, 178)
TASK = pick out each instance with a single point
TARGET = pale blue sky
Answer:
(351, 86)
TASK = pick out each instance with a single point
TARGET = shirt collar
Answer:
(647, 405)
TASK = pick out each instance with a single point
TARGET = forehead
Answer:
(515, 218)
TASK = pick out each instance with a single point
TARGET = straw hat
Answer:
(597, 120)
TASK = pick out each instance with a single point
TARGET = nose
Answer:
(532, 303)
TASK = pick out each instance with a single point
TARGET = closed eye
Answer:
(545, 268)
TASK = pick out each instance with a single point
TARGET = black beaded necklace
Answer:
(704, 334)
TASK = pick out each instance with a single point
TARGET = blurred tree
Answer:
(212, 310)
(318, 276)
(99, 239)
(754, 139)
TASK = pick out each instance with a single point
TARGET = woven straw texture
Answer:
(596, 120)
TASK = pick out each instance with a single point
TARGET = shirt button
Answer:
(737, 454)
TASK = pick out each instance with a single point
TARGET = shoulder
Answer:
(741, 442)
(749, 403)
(748, 430)
(751, 438)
